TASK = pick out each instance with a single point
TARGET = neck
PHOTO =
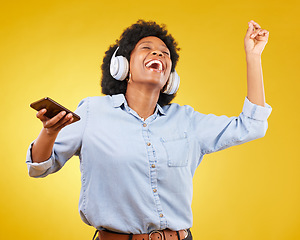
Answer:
(142, 101)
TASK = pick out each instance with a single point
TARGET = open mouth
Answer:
(155, 65)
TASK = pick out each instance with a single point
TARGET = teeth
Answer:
(155, 61)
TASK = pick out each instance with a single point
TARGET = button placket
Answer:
(153, 173)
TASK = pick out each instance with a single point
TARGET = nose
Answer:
(157, 53)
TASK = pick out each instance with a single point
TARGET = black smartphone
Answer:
(53, 108)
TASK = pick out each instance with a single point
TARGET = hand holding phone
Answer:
(53, 115)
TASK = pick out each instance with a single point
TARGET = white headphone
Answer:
(119, 68)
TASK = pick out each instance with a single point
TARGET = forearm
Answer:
(255, 86)
(42, 147)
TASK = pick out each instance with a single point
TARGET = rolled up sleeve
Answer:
(255, 111)
(38, 169)
(215, 133)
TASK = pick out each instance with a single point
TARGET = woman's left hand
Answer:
(255, 39)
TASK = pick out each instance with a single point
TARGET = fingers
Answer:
(259, 33)
(57, 122)
(250, 29)
(66, 121)
(63, 122)
(255, 24)
(255, 30)
(40, 115)
(51, 122)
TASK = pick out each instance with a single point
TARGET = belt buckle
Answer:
(155, 231)
(186, 233)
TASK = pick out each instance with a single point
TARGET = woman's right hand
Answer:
(42, 146)
(52, 126)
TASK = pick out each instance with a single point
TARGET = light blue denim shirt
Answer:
(137, 174)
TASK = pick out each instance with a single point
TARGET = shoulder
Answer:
(175, 108)
(95, 101)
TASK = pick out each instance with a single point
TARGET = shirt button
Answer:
(161, 215)
(154, 190)
(144, 125)
(153, 165)
(148, 144)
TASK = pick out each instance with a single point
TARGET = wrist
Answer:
(253, 56)
(49, 133)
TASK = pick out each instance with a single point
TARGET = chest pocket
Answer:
(177, 149)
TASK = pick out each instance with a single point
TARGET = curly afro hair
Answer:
(129, 38)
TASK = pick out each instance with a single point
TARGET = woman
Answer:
(138, 153)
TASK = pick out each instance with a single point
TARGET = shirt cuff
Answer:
(42, 166)
(257, 112)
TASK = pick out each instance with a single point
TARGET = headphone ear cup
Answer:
(173, 83)
(119, 67)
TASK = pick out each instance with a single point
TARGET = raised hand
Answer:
(256, 39)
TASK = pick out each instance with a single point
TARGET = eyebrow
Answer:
(163, 45)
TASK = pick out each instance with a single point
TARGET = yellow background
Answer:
(55, 48)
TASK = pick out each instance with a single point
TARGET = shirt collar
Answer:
(160, 109)
(119, 100)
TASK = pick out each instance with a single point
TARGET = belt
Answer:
(165, 234)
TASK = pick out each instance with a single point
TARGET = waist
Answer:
(165, 234)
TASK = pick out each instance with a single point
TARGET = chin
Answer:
(157, 81)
